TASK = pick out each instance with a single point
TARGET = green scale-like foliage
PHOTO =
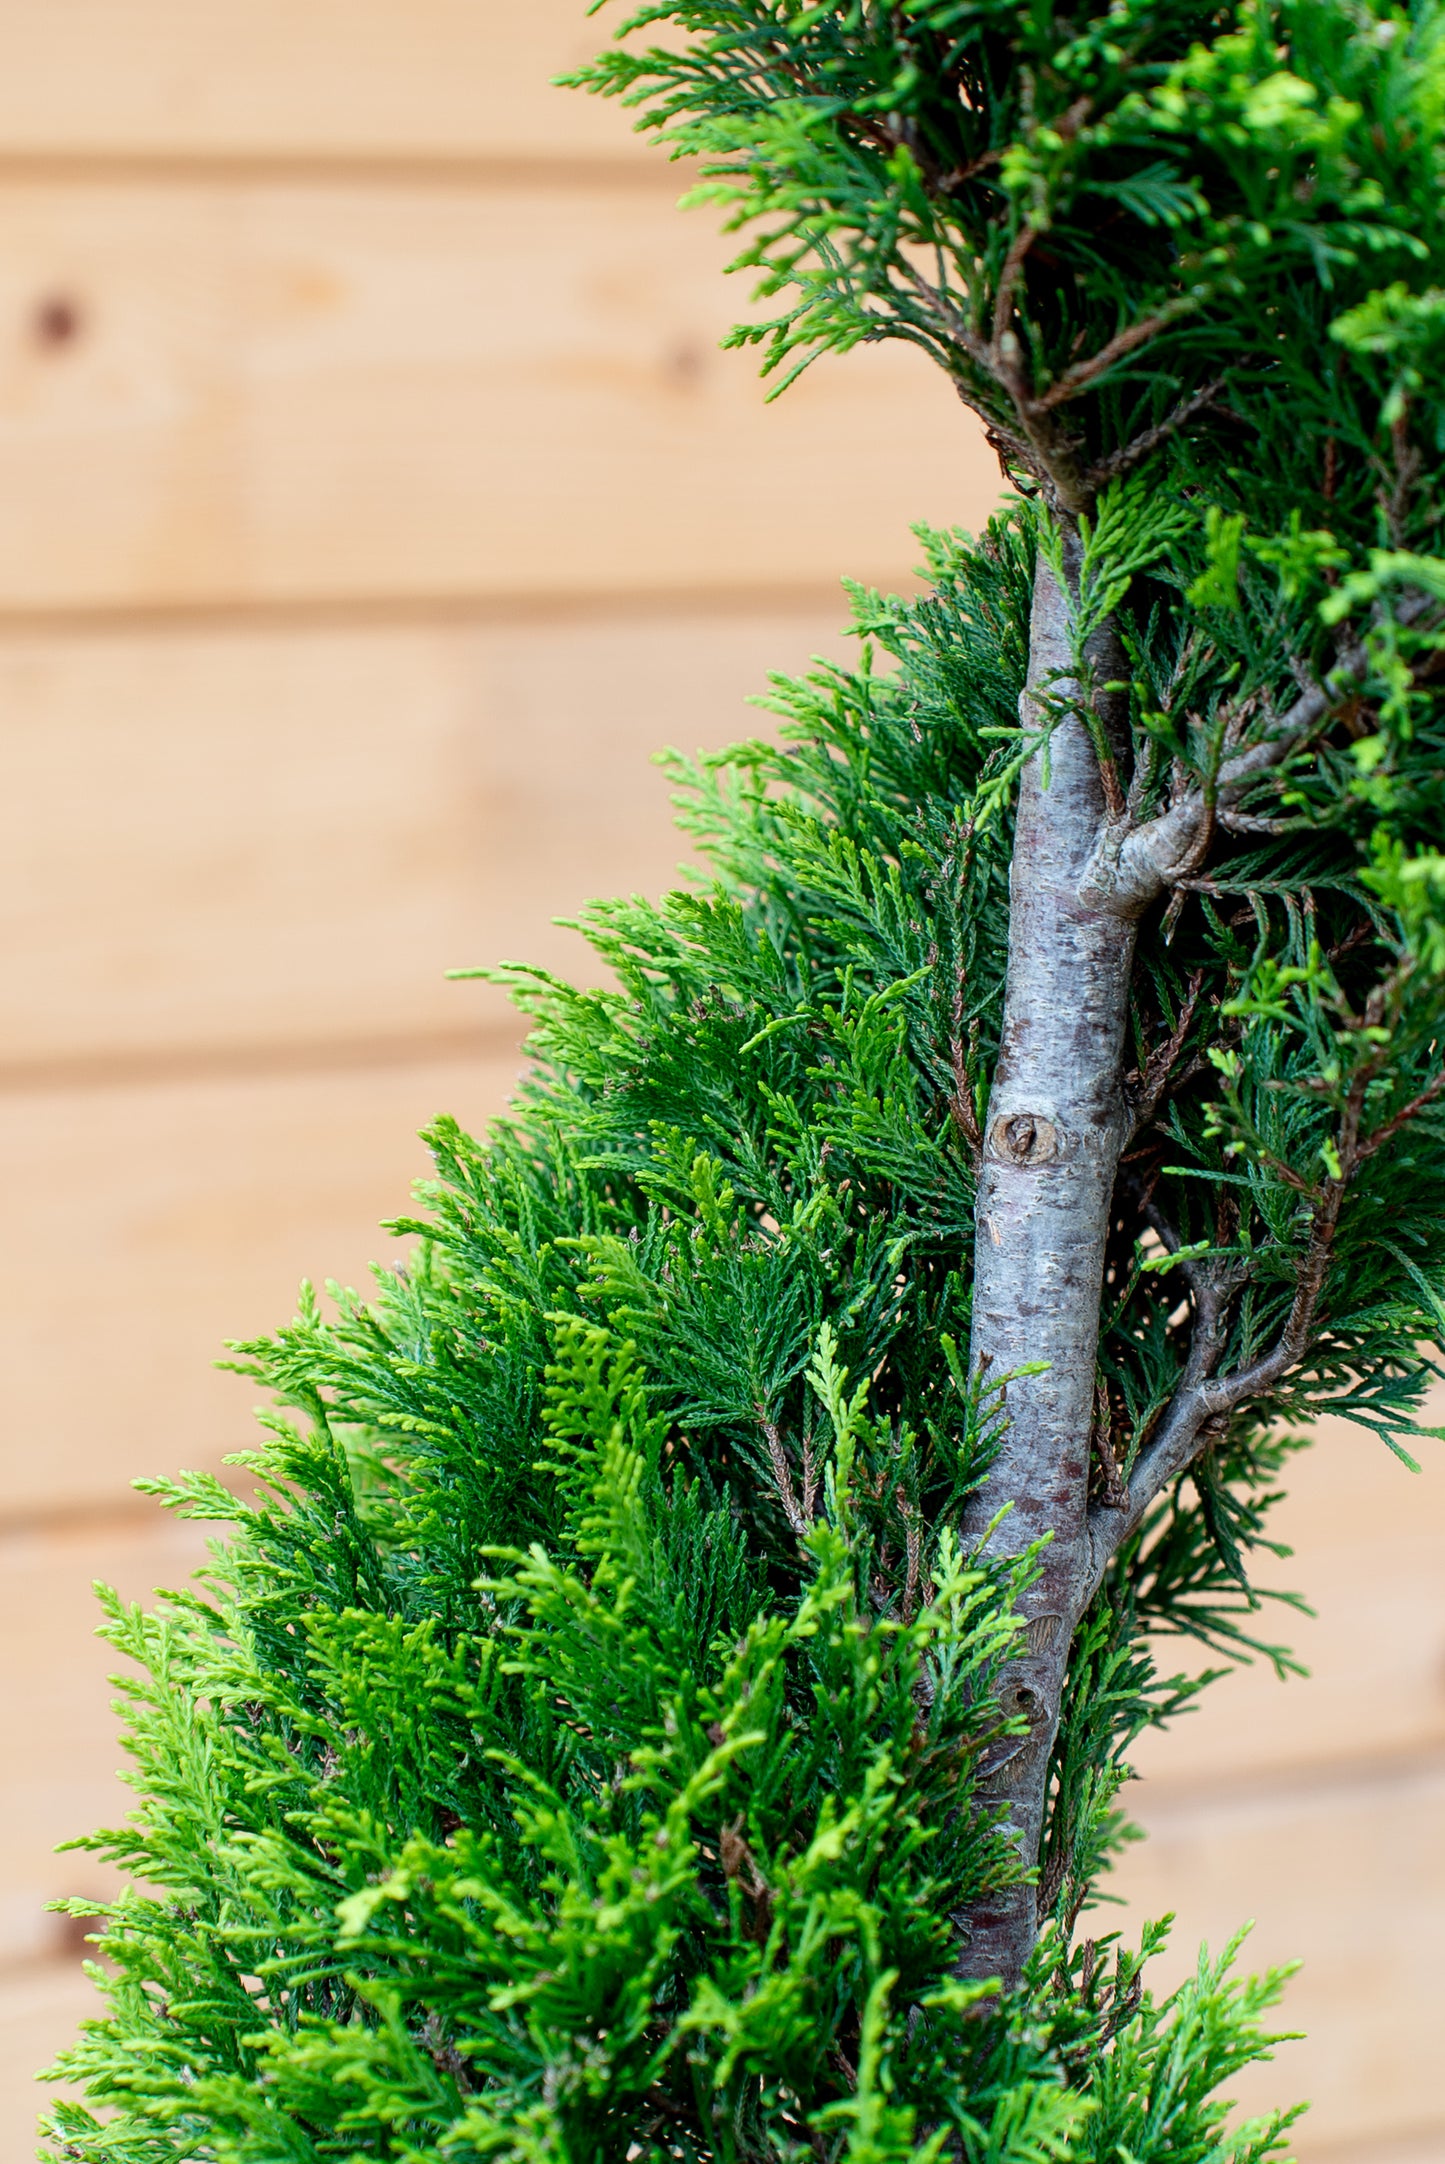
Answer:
(576, 1752)
(573, 1758)
(1103, 222)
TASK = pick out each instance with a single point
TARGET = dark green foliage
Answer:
(1157, 202)
(576, 1752)
(572, 1759)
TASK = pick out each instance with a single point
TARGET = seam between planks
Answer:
(445, 611)
(285, 1058)
(637, 172)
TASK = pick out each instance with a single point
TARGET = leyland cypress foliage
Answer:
(671, 1695)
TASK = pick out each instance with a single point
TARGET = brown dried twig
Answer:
(800, 1515)
(1162, 1061)
(1113, 1493)
(1386, 1133)
(741, 1869)
(1140, 447)
(1085, 373)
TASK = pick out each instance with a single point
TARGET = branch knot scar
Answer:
(1025, 1138)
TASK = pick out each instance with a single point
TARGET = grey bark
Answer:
(1083, 873)
(1055, 1126)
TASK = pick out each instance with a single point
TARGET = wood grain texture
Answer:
(372, 79)
(1320, 1867)
(40, 2011)
(250, 393)
(236, 839)
(145, 1226)
(298, 321)
(54, 1691)
(1369, 1557)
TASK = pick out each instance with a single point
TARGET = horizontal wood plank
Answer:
(54, 1691)
(40, 2012)
(244, 393)
(229, 840)
(338, 78)
(486, 386)
(1347, 1877)
(147, 1225)
(1369, 1542)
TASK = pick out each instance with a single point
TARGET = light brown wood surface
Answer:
(365, 80)
(41, 2008)
(373, 499)
(1344, 1873)
(1369, 1557)
(203, 1199)
(282, 837)
(359, 391)
(62, 1709)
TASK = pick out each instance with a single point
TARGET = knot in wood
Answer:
(1023, 1701)
(1025, 1138)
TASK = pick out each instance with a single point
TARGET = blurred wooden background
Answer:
(373, 501)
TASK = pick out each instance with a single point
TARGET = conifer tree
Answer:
(671, 1695)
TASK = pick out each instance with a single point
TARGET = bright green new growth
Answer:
(578, 1753)
(573, 1760)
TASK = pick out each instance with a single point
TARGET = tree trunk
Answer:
(1055, 1127)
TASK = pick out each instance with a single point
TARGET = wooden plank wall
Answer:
(373, 500)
